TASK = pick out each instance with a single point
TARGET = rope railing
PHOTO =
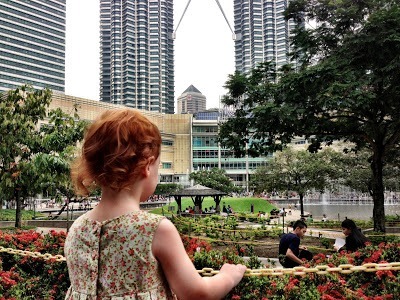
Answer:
(320, 269)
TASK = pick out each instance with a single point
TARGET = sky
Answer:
(204, 48)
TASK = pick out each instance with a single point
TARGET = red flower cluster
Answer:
(8, 279)
(193, 245)
(22, 276)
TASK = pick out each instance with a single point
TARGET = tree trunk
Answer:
(18, 210)
(301, 205)
(217, 200)
(378, 192)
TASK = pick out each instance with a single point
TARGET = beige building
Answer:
(175, 131)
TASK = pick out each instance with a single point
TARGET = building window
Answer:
(166, 165)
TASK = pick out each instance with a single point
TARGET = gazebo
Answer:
(198, 193)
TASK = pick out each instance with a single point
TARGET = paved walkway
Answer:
(294, 216)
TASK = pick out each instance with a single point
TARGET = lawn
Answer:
(9, 214)
(237, 204)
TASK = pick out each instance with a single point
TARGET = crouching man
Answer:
(291, 254)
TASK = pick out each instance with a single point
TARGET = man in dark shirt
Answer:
(290, 252)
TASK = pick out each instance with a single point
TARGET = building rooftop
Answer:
(191, 89)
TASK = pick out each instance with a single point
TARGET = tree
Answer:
(355, 172)
(166, 189)
(23, 140)
(215, 179)
(58, 149)
(346, 87)
(297, 170)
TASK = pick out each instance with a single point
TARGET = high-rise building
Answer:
(32, 44)
(261, 33)
(137, 54)
(191, 101)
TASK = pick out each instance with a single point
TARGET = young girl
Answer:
(117, 251)
(355, 239)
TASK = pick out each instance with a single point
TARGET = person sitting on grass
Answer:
(290, 253)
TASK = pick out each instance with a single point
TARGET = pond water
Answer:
(352, 211)
(340, 211)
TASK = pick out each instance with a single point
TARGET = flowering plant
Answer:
(23, 277)
(379, 285)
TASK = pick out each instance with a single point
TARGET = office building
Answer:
(261, 33)
(137, 54)
(191, 101)
(208, 154)
(32, 44)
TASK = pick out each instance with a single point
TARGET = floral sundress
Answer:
(113, 260)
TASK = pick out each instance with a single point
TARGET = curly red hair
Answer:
(117, 147)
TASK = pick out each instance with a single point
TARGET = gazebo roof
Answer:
(198, 190)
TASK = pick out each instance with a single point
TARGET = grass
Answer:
(238, 205)
(9, 214)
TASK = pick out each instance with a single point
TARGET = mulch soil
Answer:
(268, 247)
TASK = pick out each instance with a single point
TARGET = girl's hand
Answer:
(235, 272)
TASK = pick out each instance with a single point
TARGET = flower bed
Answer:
(23, 277)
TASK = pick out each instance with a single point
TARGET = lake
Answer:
(340, 211)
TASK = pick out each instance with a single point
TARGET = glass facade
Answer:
(207, 153)
(32, 44)
(137, 54)
(262, 34)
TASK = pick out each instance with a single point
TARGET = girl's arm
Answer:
(180, 272)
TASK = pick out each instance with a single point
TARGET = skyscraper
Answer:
(32, 44)
(137, 54)
(191, 101)
(262, 34)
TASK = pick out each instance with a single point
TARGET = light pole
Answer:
(247, 171)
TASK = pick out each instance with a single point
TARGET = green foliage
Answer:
(327, 243)
(254, 262)
(346, 87)
(298, 171)
(166, 188)
(215, 179)
(20, 112)
(34, 155)
(52, 164)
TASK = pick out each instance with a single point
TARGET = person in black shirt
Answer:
(290, 252)
(355, 239)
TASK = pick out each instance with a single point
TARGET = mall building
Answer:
(189, 142)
